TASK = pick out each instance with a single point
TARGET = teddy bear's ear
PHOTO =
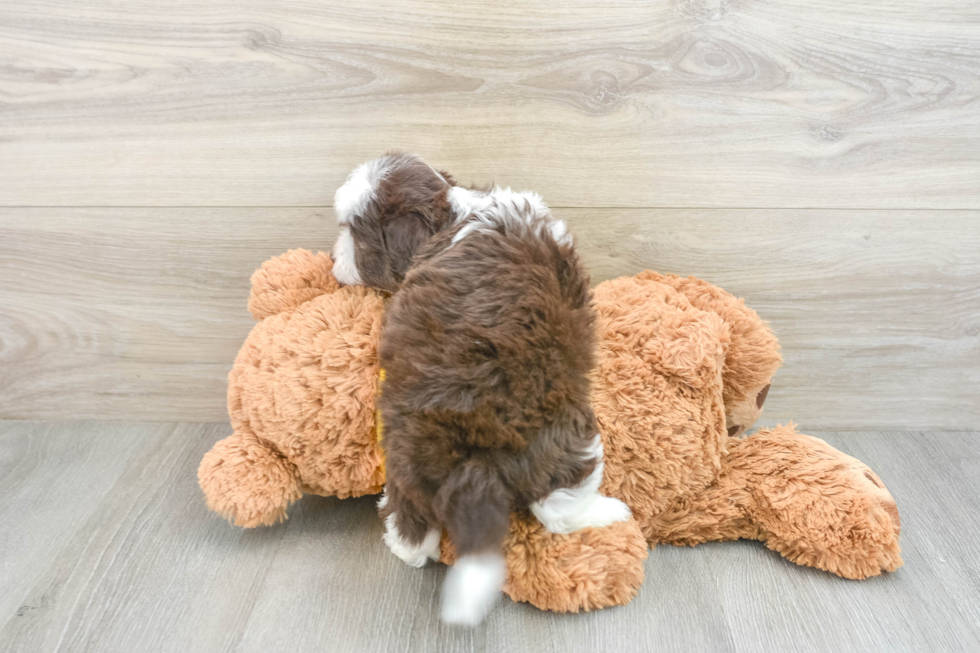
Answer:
(286, 281)
(753, 355)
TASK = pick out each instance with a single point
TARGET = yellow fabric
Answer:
(378, 424)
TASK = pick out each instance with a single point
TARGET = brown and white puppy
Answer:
(486, 346)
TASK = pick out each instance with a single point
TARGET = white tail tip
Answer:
(471, 588)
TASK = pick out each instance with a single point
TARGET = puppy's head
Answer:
(387, 210)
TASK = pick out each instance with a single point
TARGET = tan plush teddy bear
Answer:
(683, 371)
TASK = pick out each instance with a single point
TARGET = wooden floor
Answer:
(107, 547)
(820, 158)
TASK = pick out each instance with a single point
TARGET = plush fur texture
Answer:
(749, 367)
(486, 398)
(698, 355)
(297, 395)
(766, 490)
(671, 354)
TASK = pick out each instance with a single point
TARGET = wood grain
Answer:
(142, 573)
(51, 481)
(148, 568)
(878, 313)
(132, 312)
(138, 313)
(679, 103)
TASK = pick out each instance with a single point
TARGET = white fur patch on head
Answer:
(344, 261)
(352, 198)
(568, 510)
(415, 556)
(471, 588)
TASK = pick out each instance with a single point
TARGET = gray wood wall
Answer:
(819, 158)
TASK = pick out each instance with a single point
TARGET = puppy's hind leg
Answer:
(567, 510)
(407, 533)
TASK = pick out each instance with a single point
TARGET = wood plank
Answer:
(359, 597)
(117, 313)
(150, 569)
(51, 481)
(766, 104)
(138, 313)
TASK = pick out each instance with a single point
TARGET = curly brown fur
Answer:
(486, 348)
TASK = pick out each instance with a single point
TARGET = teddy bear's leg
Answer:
(820, 507)
(811, 503)
(586, 570)
(248, 483)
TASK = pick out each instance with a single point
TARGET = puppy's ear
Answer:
(403, 238)
(370, 255)
(407, 206)
(384, 250)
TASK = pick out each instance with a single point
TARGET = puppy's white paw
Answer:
(415, 556)
(564, 513)
(604, 511)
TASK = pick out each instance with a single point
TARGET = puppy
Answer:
(486, 346)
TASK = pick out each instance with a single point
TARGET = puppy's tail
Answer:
(474, 505)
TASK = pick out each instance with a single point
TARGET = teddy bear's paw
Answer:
(247, 483)
(826, 509)
(875, 487)
(410, 554)
(586, 570)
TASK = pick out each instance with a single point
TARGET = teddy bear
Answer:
(683, 370)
